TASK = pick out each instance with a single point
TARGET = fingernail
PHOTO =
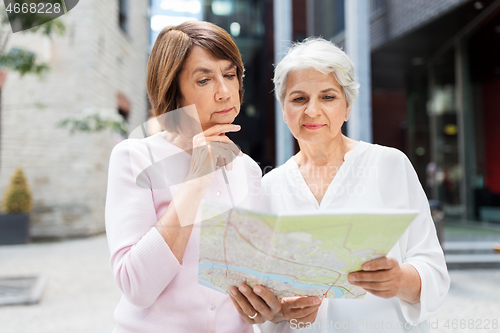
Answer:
(243, 289)
(351, 278)
(240, 153)
(366, 267)
(317, 301)
(257, 290)
(233, 292)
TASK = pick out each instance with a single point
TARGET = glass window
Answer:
(246, 22)
(377, 7)
(123, 15)
(329, 18)
(442, 111)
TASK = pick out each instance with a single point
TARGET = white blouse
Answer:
(371, 177)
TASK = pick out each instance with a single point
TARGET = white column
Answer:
(310, 17)
(357, 45)
(282, 41)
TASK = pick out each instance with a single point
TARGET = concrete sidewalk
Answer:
(80, 294)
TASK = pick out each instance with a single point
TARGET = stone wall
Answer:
(93, 62)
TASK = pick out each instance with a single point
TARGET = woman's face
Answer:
(212, 86)
(314, 106)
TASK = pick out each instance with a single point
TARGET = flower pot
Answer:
(14, 229)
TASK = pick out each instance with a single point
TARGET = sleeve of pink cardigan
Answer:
(142, 263)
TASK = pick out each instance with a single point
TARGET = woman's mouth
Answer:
(225, 111)
(313, 126)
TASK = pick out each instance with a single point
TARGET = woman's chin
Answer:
(223, 119)
(312, 138)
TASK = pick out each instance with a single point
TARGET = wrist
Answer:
(410, 284)
(198, 183)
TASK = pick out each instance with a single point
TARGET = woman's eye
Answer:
(329, 97)
(202, 82)
(299, 99)
(230, 76)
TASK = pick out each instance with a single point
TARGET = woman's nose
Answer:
(312, 108)
(222, 92)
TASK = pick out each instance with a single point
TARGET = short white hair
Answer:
(323, 56)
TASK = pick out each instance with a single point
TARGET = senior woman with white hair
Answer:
(316, 87)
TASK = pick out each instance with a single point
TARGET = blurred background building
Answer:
(435, 82)
(435, 73)
(435, 70)
(98, 64)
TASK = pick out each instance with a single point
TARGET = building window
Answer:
(326, 18)
(123, 105)
(377, 7)
(123, 15)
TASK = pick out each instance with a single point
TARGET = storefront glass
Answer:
(444, 170)
(246, 22)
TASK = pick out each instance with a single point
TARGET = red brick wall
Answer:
(388, 116)
(491, 111)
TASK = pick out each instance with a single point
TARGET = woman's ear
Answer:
(347, 114)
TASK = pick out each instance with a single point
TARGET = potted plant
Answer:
(16, 205)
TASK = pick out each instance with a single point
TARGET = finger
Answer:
(221, 129)
(376, 286)
(216, 153)
(213, 158)
(234, 148)
(298, 313)
(199, 140)
(302, 301)
(228, 166)
(224, 157)
(240, 311)
(219, 151)
(202, 140)
(272, 302)
(310, 318)
(224, 143)
(380, 263)
(256, 302)
(242, 301)
(383, 294)
(378, 276)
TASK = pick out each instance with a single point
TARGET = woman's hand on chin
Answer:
(211, 149)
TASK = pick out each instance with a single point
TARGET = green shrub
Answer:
(17, 198)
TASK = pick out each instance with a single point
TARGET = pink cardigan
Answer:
(159, 294)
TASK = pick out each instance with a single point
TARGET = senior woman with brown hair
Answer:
(152, 230)
(316, 87)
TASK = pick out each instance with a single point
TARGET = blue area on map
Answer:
(281, 278)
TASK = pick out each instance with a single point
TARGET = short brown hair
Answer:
(171, 49)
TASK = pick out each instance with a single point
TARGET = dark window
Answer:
(123, 105)
(377, 7)
(123, 113)
(328, 19)
(123, 15)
